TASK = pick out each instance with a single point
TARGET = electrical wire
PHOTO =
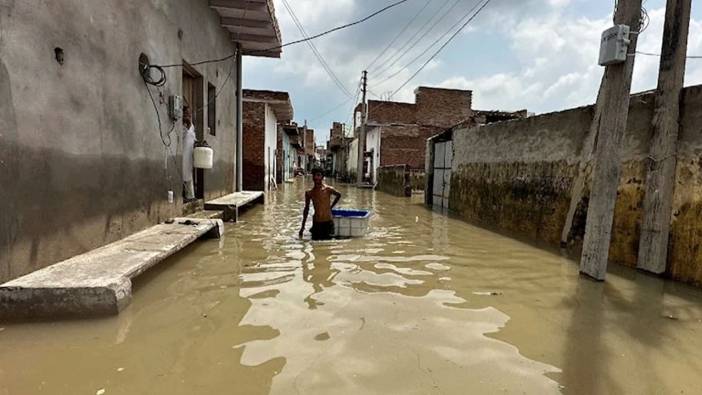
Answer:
(221, 88)
(324, 33)
(424, 33)
(146, 74)
(404, 29)
(442, 47)
(416, 58)
(658, 55)
(316, 52)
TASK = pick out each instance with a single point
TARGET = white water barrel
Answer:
(203, 157)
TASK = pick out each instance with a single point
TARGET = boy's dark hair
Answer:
(318, 170)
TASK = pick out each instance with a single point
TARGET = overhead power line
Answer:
(404, 29)
(416, 58)
(442, 47)
(657, 54)
(324, 33)
(337, 107)
(316, 52)
(423, 33)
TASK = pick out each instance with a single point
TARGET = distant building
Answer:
(289, 144)
(310, 149)
(396, 133)
(264, 113)
(338, 147)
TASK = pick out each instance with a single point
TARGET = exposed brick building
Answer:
(263, 112)
(396, 133)
(338, 150)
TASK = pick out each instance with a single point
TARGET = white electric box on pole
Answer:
(614, 47)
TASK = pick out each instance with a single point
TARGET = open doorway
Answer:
(193, 94)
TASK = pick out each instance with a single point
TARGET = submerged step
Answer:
(98, 282)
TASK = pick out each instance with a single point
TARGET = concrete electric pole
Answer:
(660, 180)
(607, 159)
(362, 134)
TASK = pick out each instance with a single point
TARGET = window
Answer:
(212, 109)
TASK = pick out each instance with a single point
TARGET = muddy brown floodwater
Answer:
(424, 304)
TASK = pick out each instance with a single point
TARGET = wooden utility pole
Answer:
(660, 180)
(607, 167)
(362, 134)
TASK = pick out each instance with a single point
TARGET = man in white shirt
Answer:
(188, 149)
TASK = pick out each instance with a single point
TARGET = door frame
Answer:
(197, 105)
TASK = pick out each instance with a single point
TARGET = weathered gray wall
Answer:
(517, 176)
(395, 180)
(81, 160)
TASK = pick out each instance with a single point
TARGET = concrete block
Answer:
(98, 283)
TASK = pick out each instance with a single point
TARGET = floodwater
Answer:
(424, 304)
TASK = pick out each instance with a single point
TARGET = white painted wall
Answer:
(373, 144)
(270, 145)
(352, 163)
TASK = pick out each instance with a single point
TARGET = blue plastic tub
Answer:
(351, 223)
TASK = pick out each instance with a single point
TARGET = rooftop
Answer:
(252, 23)
(279, 102)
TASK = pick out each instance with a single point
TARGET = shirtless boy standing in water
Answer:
(320, 195)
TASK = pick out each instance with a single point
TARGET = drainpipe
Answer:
(239, 123)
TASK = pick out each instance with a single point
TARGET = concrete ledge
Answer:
(98, 282)
(230, 204)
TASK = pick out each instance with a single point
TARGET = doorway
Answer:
(443, 158)
(193, 95)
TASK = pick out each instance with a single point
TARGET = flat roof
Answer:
(251, 23)
(279, 101)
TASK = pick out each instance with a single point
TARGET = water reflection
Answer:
(424, 304)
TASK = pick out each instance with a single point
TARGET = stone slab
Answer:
(231, 203)
(237, 199)
(98, 282)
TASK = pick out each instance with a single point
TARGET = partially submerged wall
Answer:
(394, 180)
(517, 176)
(81, 160)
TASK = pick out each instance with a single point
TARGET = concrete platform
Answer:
(230, 204)
(98, 283)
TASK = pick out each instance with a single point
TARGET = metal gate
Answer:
(443, 157)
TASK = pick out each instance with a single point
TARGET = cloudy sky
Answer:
(535, 54)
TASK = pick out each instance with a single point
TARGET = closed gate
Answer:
(443, 158)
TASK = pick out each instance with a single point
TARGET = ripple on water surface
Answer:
(423, 304)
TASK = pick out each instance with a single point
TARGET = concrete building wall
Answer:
(285, 157)
(395, 180)
(82, 163)
(270, 147)
(373, 141)
(352, 162)
(517, 176)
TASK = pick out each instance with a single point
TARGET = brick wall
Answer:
(265, 95)
(254, 115)
(405, 145)
(336, 135)
(443, 108)
(385, 112)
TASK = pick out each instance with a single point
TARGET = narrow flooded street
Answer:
(424, 304)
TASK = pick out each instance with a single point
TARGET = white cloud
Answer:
(551, 46)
